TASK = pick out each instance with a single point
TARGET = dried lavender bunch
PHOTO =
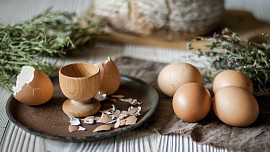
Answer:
(228, 51)
(52, 33)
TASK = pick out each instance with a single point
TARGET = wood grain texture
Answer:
(81, 109)
(80, 82)
(4, 95)
(20, 141)
(133, 141)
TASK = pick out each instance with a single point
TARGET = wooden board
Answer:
(238, 21)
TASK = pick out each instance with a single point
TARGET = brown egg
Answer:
(110, 77)
(232, 78)
(192, 102)
(174, 75)
(33, 87)
(235, 106)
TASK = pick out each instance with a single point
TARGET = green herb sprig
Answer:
(228, 51)
(52, 33)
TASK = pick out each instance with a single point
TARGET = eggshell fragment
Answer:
(115, 115)
(33, 87)
(102, 128)
(133, 110)
(100, 97)
(122, 122)
(123, 115)
(72, 128)
(89, 120)
(110, 77)
(232, 78)
(119, 123)
(174, 75)
(192, 102)
(105, 118)
(131, 120)
(131, 101)
(81, 128)
(235, 106)
(73, 120)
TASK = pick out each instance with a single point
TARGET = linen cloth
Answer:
(210, 130)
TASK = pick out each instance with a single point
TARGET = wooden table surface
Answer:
(14, 139)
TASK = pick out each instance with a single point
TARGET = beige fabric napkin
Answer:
(210, 130)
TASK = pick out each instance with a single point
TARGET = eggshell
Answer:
(192, 102)
(232, 78)
(110, 77)
(235, 106)
(33, 87)
(72, 128)
(103, 128)
(131, 120)
(174, 75)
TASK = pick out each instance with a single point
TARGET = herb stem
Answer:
(228, 51)
(53, 33)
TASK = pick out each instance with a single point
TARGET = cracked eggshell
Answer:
(174, 75)
(110, 77)
(33, 87)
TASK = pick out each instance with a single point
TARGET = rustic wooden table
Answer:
(15, 139)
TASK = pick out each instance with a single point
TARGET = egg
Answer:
(192, 102)
(174, 75)
(33, 87)
(232, 78)
(110, 77)
(235, 106)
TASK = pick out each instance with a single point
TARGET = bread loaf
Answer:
(169, 19)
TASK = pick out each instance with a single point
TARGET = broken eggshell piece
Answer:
(102, 128)
(73, 120)
(72, 128)
(100, 97)
(33, 87)
(131, 120)
(110, 77)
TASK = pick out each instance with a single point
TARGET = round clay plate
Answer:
(49, 121)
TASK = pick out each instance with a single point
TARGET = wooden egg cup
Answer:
(80, 82)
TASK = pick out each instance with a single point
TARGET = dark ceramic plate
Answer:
(48, 120)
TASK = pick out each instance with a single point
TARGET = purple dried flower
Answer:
(231, 63)
(216, 36)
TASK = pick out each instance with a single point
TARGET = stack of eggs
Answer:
(183, 82)
(233, 102)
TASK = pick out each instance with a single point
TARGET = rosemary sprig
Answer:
(228, 51)
(52, 33)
